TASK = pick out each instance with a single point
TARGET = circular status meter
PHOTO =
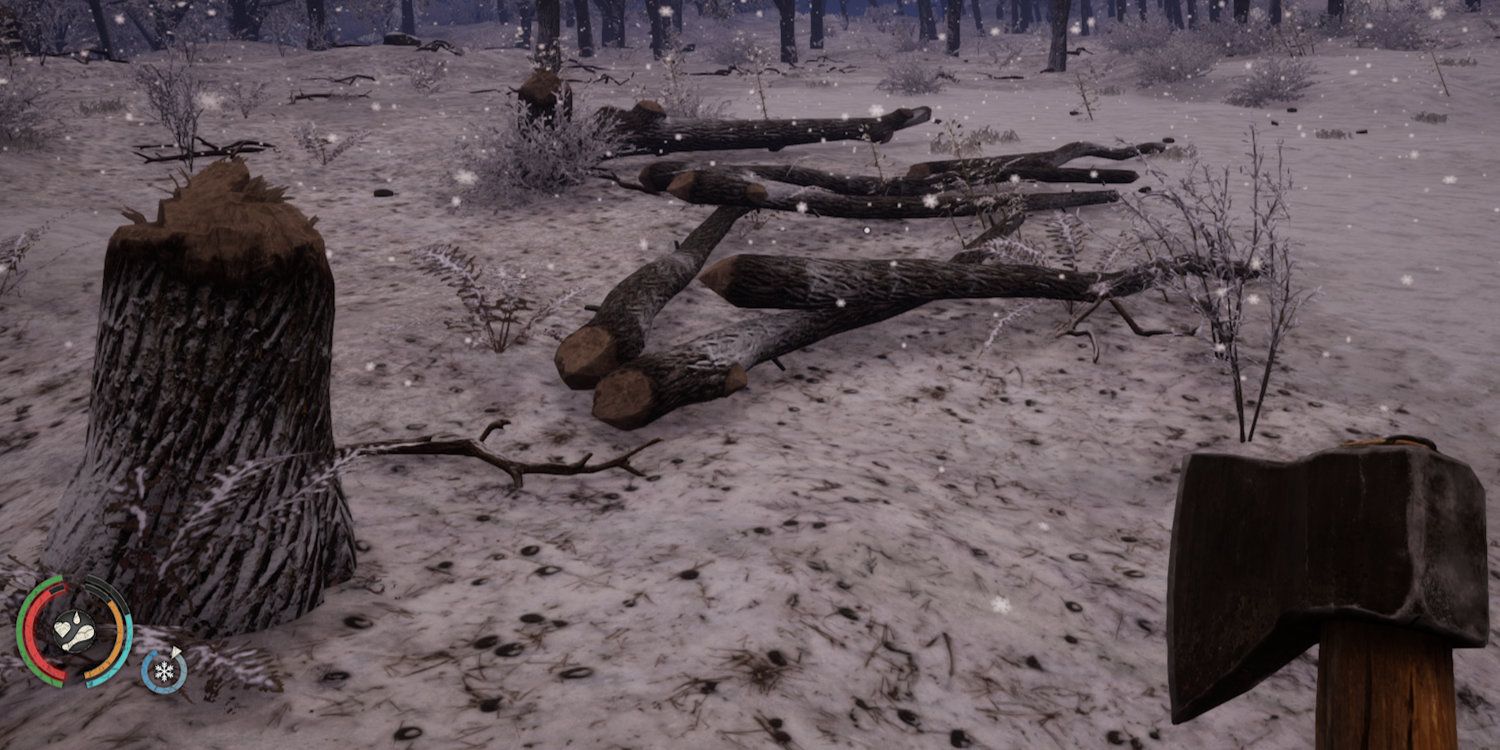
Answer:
(74, 631)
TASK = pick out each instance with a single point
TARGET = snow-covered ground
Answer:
(932, 538)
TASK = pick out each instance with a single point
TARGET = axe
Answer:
(1375, 551)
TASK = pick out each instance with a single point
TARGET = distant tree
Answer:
(1242, 10)
(661, 26)
(954, 14)
(1085, 14)
(502, 11)
(1274, 10)
(1057, 56)
(1335, 8)
(926, 21)
(815, 13)
(1173, 11)
(408, 17)
(978, 20)
(101, 26)
(319, 35)
(611, 22)
(1191, 11)
(787, 10)
(549, 34)
(246, 17)
(585, 28)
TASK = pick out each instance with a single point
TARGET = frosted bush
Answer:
(1182, 57)
(913, 76)
(175, 94)
(1136, 36)
(1273, 80)
(683, 97)
(325, 147)
(426, 74)
(1238, 39)
(735, 48)
(1431, 118)
(1394, 30)
(903, 33)
(23, 114)
(515, 159)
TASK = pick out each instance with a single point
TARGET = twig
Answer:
(430, 445)
(346, 80)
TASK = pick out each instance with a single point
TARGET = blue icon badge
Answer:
(164, 675)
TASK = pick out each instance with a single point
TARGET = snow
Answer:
(913, 517)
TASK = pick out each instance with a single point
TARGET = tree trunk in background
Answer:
(408, 17)
(585, 28)
(1274, 10)
(243, 22)
(787, 10)
(954, 14)
(1085, 15)
(1142, 5)
(101, 27)
(844, 12)
(502, 11)
(1335, 8)
(213, 351)
(319, 36)
(978, 19)
(1242, 11)
(677, 15)
(660, 25)
(926, 21)
(1173, 11)
(815, 13)
(1191, 13)
(608, 30)
(1057, 55)
(525, 14)
(549, 34)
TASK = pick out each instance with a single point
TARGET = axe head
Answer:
(1264, 551)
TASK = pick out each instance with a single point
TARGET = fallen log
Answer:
(1054, 158)
(617, 332)
(719, 188)
(716, 365)
(794, 283)
(646, 129)
(657, 177)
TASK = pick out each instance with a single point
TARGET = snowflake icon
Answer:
(164, 672)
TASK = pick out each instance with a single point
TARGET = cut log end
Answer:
(736, 379)
(719, 276)
(586, 356)
(625, 399)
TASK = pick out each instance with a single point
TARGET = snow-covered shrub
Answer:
(1135, 36)
(682, 96)
(1332, 134)
(1239, 39)
(49, 26)
(13, 251)
(1274, 80)
(913, 76)
(1182, 57)
(963, 144)
(499, 308)
(515, 159)
(425, 73)
(1247, 290)
(735, 48)
(175, 94)
(246, 95)
(1458, 62)
(23, 110)
(1431, 118)
(101, 106)
(1393, 29)
(904, 33)
(325, 147)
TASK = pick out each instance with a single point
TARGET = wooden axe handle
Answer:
(1382, 686)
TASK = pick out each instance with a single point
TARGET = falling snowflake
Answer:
(840, 303)
(930, 200)
(1253, 299)
(1000, 604)
(1407, 280)
(1437, 14)
(801, 207)
(465, 177)
(876, 110)
(455, 201)
(1450, 180)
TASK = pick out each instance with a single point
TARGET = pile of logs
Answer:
(823, 297)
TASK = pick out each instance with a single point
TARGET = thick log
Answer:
(617, 332)
(664, 135)
(716, 365)
(793, 283)
(658, 175)
(213, 350)
(719, 188)
(1054, 158)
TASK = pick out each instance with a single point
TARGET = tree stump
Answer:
(212, 360)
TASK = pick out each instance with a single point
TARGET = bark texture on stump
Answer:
(617, 332)
(215, 337)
